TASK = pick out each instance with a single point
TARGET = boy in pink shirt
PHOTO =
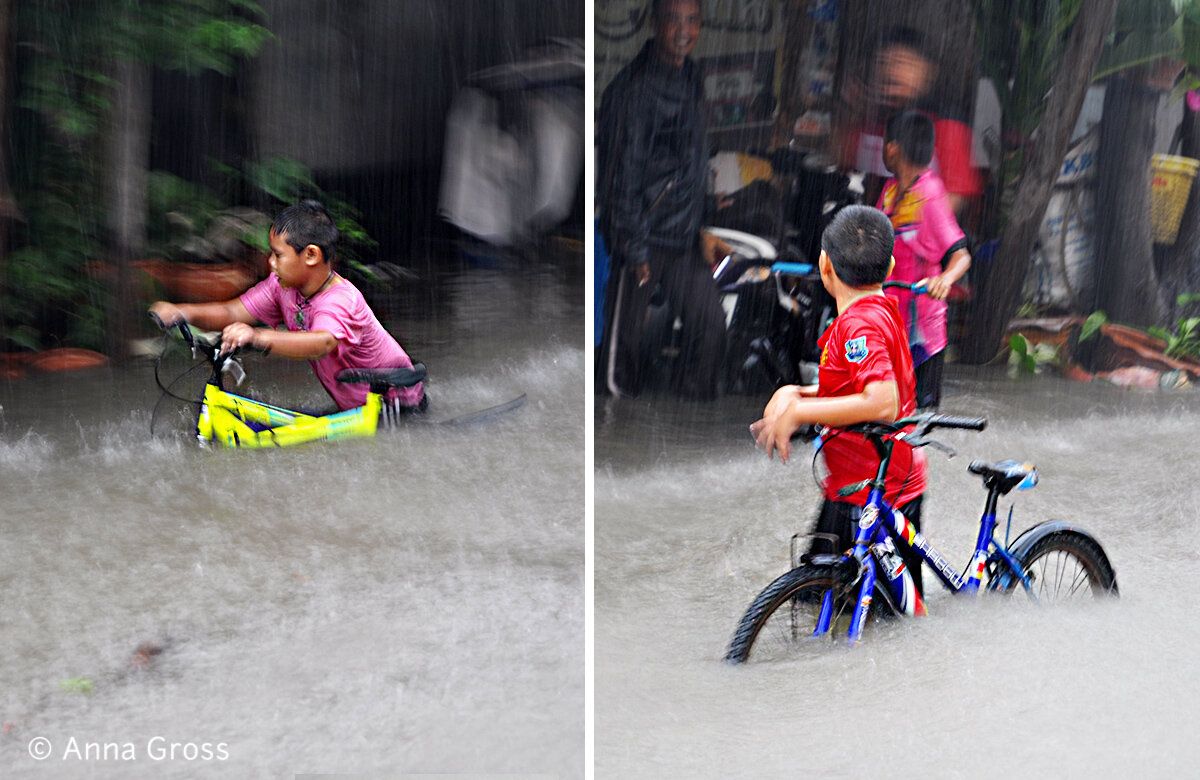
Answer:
(328, 321)
(930, 246)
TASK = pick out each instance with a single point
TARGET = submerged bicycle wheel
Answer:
(783, 616)
(1065, 567)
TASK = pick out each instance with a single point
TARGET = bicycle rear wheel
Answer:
(783, 616)
(1067, 566)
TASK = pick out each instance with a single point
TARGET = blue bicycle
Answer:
(824, 594)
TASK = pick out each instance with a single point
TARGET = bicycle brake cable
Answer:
(166, 389)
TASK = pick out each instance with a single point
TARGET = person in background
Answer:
(652, 182)
(903, 78)
(931, 249)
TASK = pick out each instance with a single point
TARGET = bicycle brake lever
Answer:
(234, 368)
(950, 451)
(915, 441)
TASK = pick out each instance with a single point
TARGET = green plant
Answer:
(1020, 46)
(55, 289)
(1145, 31)
(286, 181)
(1025, 359)
(1184, 342)
(1092, 325)
(183, 214)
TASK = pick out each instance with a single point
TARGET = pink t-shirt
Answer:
(926, 231)
(342, 311)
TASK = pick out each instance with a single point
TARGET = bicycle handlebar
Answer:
(923, 424)
(968, 423)
(185, 331)
(915, 287)
(210, 345)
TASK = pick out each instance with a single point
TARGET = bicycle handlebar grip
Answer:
(184, 331)
(970, 423)
(914, 287)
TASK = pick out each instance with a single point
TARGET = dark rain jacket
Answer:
(652, 158)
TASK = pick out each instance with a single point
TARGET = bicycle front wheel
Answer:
(784, 614)
(1066, 567)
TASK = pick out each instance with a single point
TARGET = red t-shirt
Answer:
(865, 344)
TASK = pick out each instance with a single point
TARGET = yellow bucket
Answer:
(1170, 183)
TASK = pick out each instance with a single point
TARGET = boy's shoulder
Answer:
(873, 317)
(930, 185)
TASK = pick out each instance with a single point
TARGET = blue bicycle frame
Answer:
(880, 524)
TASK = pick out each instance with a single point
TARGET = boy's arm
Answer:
(206, 316)
(939, 286)
(236, 324)
(878, 401)
(294, 344)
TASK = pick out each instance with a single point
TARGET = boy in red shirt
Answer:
(865, 374)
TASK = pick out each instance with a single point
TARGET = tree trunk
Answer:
(1000, 292)
(1180, 268)
(129, 158)
(1126, 282)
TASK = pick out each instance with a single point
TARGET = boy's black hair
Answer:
(656, 7)
(907, 37)
(859, 243)
(914, 132)
(307, 222)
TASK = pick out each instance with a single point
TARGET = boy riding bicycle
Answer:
(328, 321)
(865, 374)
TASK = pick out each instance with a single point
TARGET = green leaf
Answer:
(76, 685)
(1092, 325)
(1139, 47)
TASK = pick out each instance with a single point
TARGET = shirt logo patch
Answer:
(856, 349)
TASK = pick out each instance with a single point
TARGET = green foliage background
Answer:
(64, 51)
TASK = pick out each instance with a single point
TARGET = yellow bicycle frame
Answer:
(235, 421)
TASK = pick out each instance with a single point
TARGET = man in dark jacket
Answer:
(652, 166)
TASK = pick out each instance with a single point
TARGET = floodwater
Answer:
(408, 603)
(691, 522)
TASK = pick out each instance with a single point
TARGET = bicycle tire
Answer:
(773, 632)
(1067, 566)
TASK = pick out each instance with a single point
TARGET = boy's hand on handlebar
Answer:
(936, 287)
(238, 335)
(167, 313)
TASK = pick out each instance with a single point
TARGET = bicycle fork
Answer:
(862, 607)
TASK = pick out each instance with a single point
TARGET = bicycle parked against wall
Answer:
(823, 595)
